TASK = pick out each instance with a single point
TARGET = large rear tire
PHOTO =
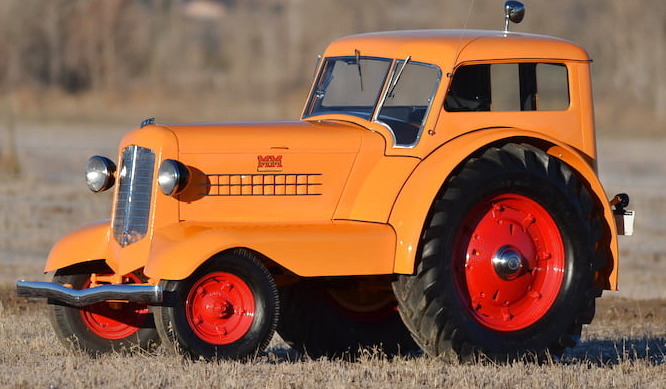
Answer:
(102, 327)
(339, 318)
(507, 260)
(227, 309)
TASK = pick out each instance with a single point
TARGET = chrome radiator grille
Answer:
(135, 184)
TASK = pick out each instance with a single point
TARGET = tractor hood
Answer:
(264, 137)
(268, 172)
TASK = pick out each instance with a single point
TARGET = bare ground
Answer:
(624, 347)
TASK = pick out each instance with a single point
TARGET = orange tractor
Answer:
(440, 192)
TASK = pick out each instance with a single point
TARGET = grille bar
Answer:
(130, 221)
(262, 185)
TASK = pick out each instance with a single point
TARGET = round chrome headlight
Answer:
(173, 177)
(100, 173)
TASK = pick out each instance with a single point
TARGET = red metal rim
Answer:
(220, 308)
(509, 262)
(115, 320)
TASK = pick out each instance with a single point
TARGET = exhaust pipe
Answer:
(150, 294)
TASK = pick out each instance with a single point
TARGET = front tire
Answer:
(227, 309)
(105, 326)
(507, 260)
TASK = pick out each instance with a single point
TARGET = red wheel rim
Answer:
(509, 262)
(115, 320)
(220, 308)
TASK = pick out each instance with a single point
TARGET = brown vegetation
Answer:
(625, 348)
(9, 163)
(252, 59)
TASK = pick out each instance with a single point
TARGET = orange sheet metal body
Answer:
(332, 195)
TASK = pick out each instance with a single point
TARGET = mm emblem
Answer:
(269, 163)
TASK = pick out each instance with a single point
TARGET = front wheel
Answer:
(507, 260)
(105, 326)
(227, 309)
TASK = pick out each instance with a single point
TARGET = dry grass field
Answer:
(624, 347)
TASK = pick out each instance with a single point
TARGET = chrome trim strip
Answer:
(151, 294)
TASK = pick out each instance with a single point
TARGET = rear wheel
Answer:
(507, 260)
(227, 309)
(340, 318)
(105, 326)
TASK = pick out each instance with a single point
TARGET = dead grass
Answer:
(626, 347)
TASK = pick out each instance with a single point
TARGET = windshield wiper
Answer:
(358, 64)
(395, 80)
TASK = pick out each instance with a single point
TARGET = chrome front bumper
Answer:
(135, 293)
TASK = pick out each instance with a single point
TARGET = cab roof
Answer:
(447, 48)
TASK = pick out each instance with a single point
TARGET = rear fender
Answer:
(414, 201)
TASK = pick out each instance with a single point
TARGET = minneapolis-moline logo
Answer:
(269, 163)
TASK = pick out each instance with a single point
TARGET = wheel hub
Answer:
(220, 308)
(508, 263)
(217, 307)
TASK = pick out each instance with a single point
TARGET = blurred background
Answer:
(199, 60)
(77, 74)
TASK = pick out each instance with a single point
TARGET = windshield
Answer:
(354, 85)
(349, 85)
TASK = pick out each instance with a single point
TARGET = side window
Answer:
(553, 87)
(504, 87)
(469, 90)
(509, 87)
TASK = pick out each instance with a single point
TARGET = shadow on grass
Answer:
(597, 352)
(651, 350)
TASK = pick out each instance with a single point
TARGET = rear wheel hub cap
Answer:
(507, 262)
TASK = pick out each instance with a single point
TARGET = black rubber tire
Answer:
(74, 333)
(430, 301)
(316, 325)
(180, 338)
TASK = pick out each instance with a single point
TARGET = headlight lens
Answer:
(100, 173)
(173, 177)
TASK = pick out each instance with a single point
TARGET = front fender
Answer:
(88, 243)
(337, 248)
(414, 201)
